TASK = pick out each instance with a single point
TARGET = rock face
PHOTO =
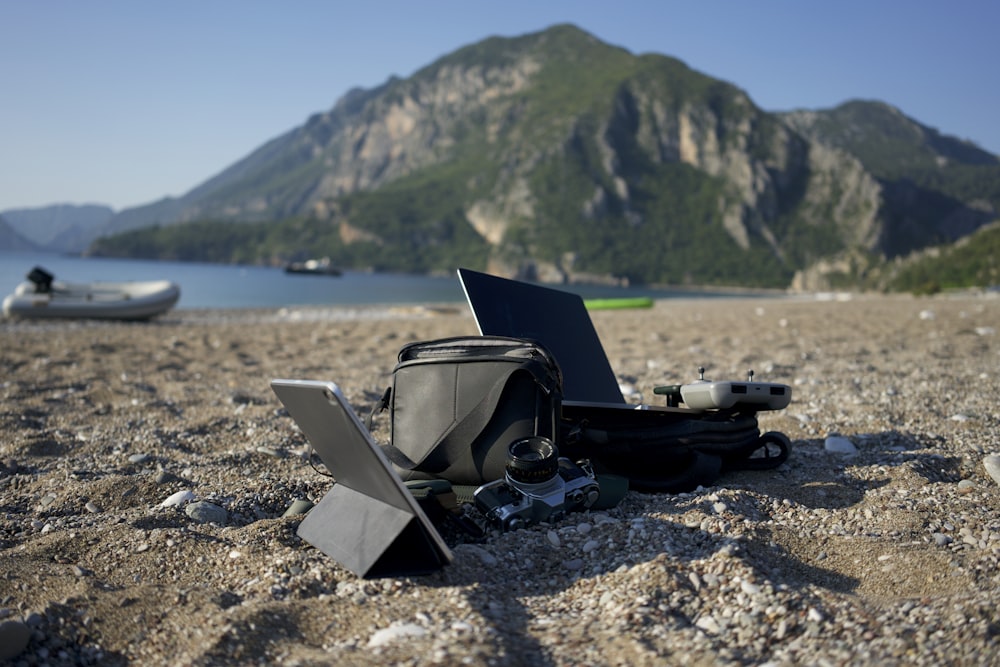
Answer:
(557, 130)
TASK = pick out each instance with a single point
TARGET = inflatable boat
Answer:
(44, 297)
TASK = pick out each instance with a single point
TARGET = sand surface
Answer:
(885, 555)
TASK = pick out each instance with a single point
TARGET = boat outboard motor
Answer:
(42, 279)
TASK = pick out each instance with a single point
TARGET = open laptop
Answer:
(560, 321)
(369, 521)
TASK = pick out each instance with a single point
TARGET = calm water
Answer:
(225, 286)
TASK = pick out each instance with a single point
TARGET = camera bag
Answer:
(456, 404)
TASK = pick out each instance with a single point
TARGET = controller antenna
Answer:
(701, 372)
(750, 375)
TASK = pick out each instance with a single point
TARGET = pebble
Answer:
(484, 556)
(942, 540)
(14, 638)
(840, 445)
(138, 458)
(299, 506)
(205, 512)
(394, 632)
(178, 498)
(992, 465)
(92, 508)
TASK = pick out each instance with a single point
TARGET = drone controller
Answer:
(705, 394)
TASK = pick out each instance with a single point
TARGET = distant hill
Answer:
(557, 154)
(935, 188)
(10, 239)
(971, 261)
(61, 227)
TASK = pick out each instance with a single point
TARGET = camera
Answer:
(538, 485)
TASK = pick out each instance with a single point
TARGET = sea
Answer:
(226, 286)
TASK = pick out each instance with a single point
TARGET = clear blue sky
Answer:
(125, 102)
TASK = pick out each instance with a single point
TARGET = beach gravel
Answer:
(147, 470)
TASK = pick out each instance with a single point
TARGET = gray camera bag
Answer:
(456, 404)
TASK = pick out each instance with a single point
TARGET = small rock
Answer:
(178, 498)
(554, 539)
(299, 506)
(205, 512)
(942, 540)
(269, 452)
(92, 508)
(708, 624)
(484, 556)
(992, 465)
(14, 638)
(394, 632)
(836, 444)
(138, 458)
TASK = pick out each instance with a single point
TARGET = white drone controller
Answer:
(726, 394)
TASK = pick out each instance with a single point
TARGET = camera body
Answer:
(538, 486)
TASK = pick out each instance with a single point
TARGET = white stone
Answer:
(394, 632)
(992, 465)
(708, 624)
(178, 498)
(836, 444)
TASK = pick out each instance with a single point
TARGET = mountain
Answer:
(10, 239)
(558, 154)
(59, 228)
(935, 188)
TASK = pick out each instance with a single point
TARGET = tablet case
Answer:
(368, 522)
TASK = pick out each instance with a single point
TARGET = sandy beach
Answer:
(878, 542)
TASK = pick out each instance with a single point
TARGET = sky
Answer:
(125, 102)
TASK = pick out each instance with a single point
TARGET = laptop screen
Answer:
(558, 320)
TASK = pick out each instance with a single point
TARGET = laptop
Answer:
(368, 522)
(560, 321)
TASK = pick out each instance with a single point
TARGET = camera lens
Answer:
(532, 460)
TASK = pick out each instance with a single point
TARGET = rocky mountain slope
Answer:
(558, 153)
